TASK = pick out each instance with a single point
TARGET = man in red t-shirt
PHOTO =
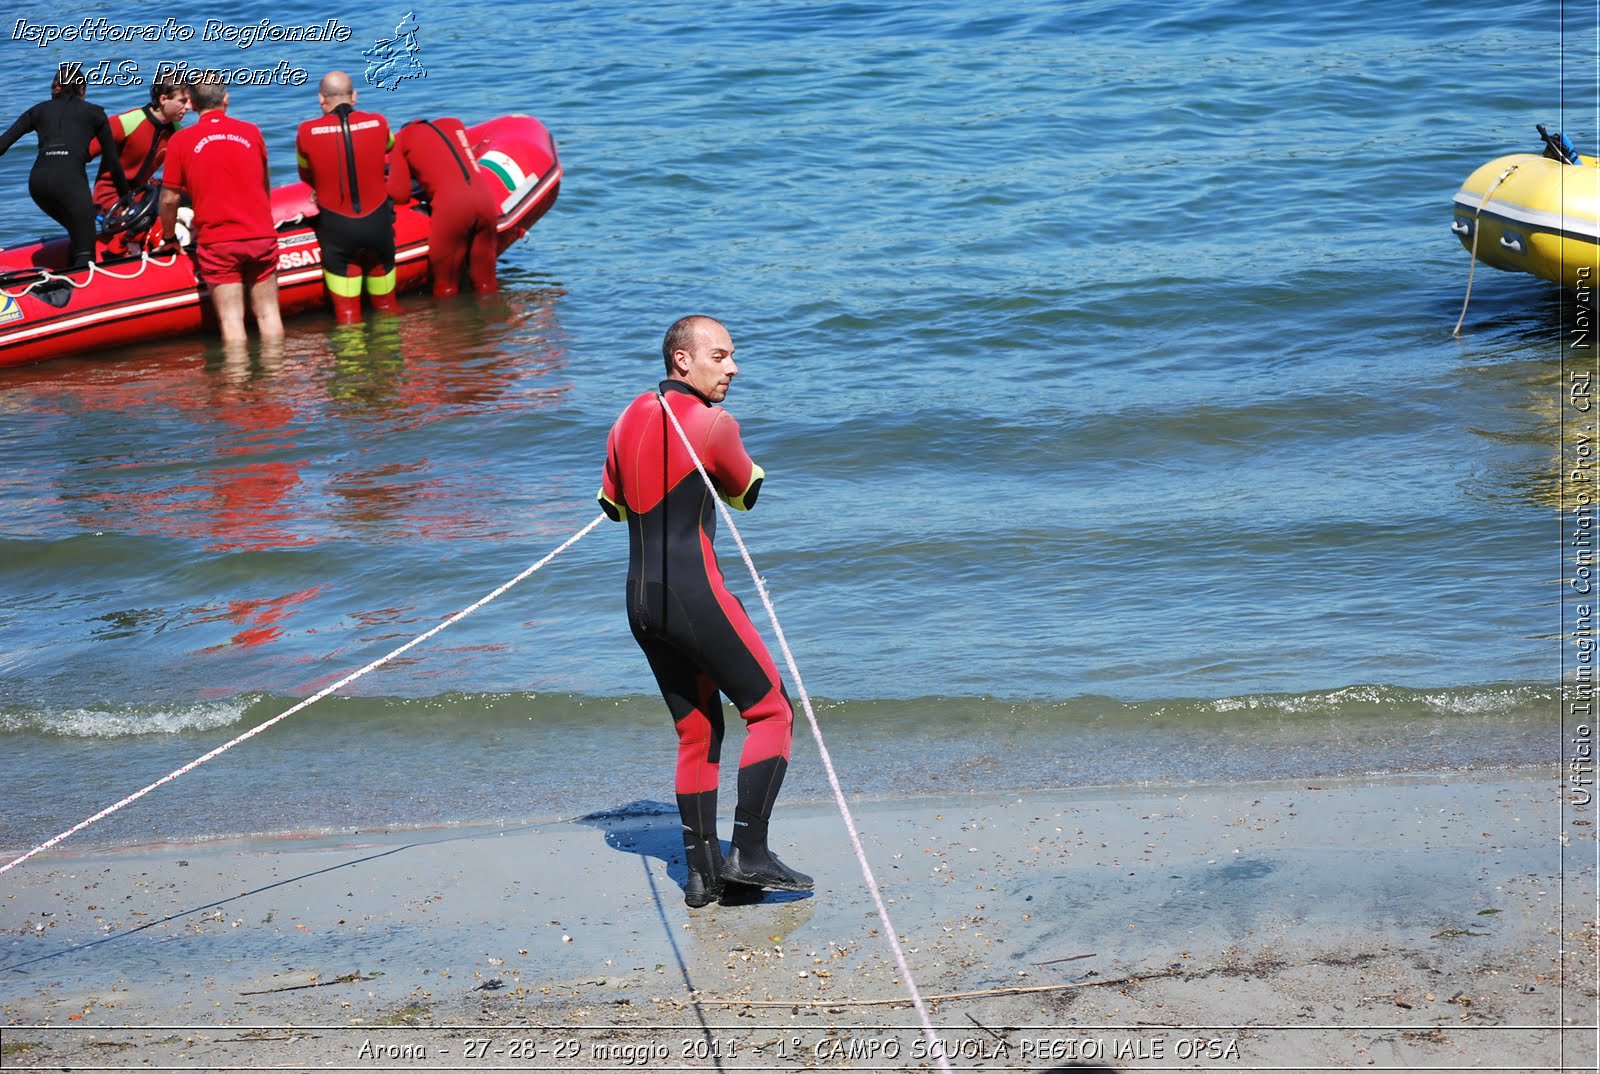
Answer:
(463, 231)
(221, 164)
(341, 155)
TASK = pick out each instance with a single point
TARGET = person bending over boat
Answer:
(695, 634)
(464, 197)
(342, 156)
(221, 164)
(141, 135)
(66, 124)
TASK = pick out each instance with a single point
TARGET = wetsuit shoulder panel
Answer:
(738, 478)
(122, 125)
(127, 122)
(645, 458)
(627, 438)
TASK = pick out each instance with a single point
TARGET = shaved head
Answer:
(336, 84)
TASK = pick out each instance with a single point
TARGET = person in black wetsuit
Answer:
(66, 124)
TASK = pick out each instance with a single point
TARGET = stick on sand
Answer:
(980, 993)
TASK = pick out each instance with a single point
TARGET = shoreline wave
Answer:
(1356, 702)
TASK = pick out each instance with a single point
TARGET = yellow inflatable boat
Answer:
(1533, 213)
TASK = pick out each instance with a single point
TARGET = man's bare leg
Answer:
(228, 298)
(264, 301)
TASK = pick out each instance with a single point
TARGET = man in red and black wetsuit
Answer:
(221, 164)
(342, 157)
(464, 199)
(141, 136)
(695, 634)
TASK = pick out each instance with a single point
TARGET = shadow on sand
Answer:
(652, 830)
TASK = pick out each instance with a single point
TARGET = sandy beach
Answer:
(1400, 923)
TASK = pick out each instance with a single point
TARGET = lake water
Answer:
(1099, 356)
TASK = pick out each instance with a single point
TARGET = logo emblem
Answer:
(392, 60)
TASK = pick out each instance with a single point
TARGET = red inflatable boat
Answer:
(46, 312)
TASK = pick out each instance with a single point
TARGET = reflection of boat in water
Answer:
(46, 312)
(284, 447)
(1538, 214)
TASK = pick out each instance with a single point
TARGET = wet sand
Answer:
(1397, 923)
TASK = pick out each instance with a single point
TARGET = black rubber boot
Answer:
(762, 869)
(704, 885)
(749, 861)
(701, 848)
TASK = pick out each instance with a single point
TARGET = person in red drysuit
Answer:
(464, 197)
(141, 135)
(695, 634)
(341, 155)
(221, 164)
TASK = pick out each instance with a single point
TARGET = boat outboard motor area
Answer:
(1558, 146)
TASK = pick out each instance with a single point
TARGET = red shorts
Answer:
(245, 261)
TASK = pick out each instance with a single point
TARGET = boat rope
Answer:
(937, 1050)
(1473, 267)
(313, 699)
(46, 276)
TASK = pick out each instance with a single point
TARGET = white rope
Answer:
(1472, 262)
(45, 276)
(936, 1047)
(318, 696)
